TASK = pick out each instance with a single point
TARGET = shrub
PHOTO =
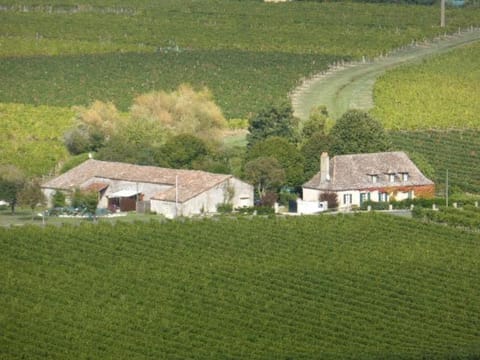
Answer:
(285, 197)
(331, 198)
(269, 199)
(58, 199)
(224, 208)
(264, 210)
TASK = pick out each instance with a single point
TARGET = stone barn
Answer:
(170, 192)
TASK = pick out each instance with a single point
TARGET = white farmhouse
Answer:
(170, 192)
(356, 178)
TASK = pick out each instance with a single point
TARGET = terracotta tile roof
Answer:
(190, 185)
(96, 186)
(190, 182)
(354, 172)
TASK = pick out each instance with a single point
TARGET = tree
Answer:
(356, 132)
(183, 150)
(316, 123)
(58, 199)
(273, 121)
(135, 142)
(166, 129)
(31, 195)
(287, 155)
(11, 182)
(94, 127)
(311, 151)
(265, 173)
(183, 111)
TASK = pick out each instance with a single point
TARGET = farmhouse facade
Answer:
(170, 192)
(357, 178)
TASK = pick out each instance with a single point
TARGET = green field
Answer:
(31, 137)
(248, 53)
(456, 151)
(241, 81)
(297, 288)
(440, 93)
(465, 217)
(339, 29)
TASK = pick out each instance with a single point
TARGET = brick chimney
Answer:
(324, 167)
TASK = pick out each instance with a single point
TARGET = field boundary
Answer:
(347, 85)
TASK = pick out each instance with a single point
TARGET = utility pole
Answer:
(446, 190)
(442, 13)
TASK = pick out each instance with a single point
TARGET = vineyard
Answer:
(440, 93)
(336, 29)
(32, 136)
(248, 53)
(465, 217)
(240, 81)
(363, 286)
(456, 151)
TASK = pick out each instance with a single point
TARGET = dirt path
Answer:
(350, 85)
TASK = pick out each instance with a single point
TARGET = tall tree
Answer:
(316, 123)
(311, 150)
(265, 173)
(357, 132)
(273, 121)
(287, 155)
(11, 182)
(183, 150)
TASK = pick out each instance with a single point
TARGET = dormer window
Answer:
(374, 178)
(391, 177)
(404, 176)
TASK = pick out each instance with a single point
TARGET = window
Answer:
(404, 176)
(391, 177)
(382, 197)
(374, 178)
(364, 197)
(347, 199)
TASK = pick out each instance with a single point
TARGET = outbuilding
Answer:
(170, 192)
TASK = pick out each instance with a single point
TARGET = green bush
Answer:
(225, 208)
(284, 197)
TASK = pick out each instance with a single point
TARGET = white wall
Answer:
(311, 194)
(243, 195)
(207, 201)
(165, 208)
(311, 207)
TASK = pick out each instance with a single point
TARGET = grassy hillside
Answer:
(441, 92)
(366, 286)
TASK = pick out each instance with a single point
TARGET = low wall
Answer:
(311, 207)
